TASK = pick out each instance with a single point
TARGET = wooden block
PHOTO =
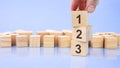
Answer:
(56, 34)
(67, 33)
(79, 48)
(79, 18)
(97, 41)
(13, 38)
(80, 34)
(117, 36)
(110, 42)
(42, 34)
(6, 33)
(109, 33)
(64, 41)
(34, 41)
(48, 41)
(21, 40)
(119, 40)
(5, 41)
(27, 33)
(89, 32)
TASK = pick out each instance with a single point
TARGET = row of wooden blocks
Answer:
(48, 38)
(107, 40)
(62, 39)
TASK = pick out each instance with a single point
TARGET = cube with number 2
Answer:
(80, 34)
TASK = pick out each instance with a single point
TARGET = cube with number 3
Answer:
(79, 48)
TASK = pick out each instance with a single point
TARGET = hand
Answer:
(88, 5)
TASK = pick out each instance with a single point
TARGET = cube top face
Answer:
(55, 33)
(5, 38)
(21, 36)
(80, 34)
(35, 36)
(67, 31)
(79, 18)
(79, 48)
(64, 38)
(42, 33)
(24, 32)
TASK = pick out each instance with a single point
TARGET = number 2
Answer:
(79, 18)
(80, 32)
(78, 49)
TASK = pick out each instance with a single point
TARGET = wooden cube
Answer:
(109, 33)
(79, 48)
(48, 41)
(64, 41)
(67, 33)
(79, 18)
(119, 39)
(110, 42)
(97, 41)
(21, 40)
(13, 38)
(5, 41)
(34, 41)
(80, 34)
(27, 33)
(117, 36)
(89, 32)
(56, 34)
(42, 34)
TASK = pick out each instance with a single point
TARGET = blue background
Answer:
(38, 15)
(55, 14)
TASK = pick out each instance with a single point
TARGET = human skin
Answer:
(88, 5)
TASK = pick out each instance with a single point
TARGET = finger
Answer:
(91, 8)
(74, 5)
(91, 5)
(82, 4)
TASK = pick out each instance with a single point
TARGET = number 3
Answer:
(78, 49)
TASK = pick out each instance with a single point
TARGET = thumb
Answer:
(91, 5)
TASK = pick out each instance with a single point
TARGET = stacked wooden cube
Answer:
(81, 33)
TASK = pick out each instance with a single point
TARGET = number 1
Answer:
(79, 18)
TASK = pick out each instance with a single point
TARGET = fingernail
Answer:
(91, 8)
